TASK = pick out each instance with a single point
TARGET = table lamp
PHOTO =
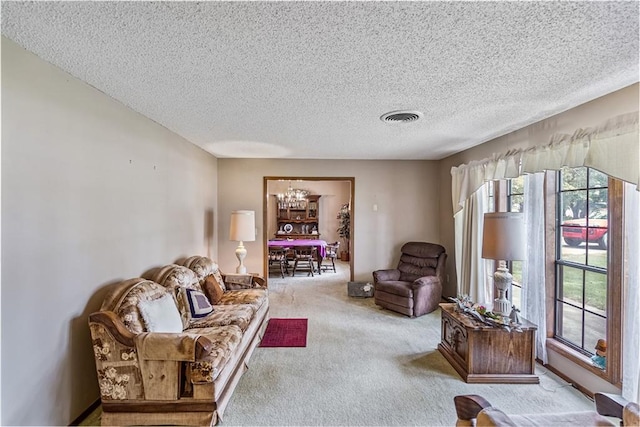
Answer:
(242, 229)
(503, 240)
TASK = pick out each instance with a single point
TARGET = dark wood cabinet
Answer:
(299, 219)
(484, 354)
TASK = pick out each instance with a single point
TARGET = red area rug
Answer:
(285, 333)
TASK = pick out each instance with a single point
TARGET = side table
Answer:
(485, 354)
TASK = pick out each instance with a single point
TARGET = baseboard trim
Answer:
(577, 386)
(95, 405)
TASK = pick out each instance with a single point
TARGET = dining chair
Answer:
(278, 258)
(305, 257)
(331, 252)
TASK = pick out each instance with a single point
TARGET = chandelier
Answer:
(292, 198)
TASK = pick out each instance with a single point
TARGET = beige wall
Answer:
(591, 114)
(92, 193)
(405, 192)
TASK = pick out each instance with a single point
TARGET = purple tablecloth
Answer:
(320, 244)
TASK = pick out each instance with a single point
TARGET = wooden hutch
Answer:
(298, 219)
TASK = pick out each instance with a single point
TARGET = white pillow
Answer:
(161, 315)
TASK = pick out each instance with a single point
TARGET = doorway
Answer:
(330, 194)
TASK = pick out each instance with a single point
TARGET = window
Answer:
(586, 207)
(581, 258)
(586, 270)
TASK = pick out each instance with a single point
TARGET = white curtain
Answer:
(467, 179)
(533, 271)
(631, 309)
(612, 148)
(471, 268)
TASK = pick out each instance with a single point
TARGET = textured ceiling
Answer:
(311, 79)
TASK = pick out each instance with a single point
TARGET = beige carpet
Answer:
(366, 366)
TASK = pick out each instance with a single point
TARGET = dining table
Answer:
(321, 245)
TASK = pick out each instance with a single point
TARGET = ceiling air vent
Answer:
(401, 116)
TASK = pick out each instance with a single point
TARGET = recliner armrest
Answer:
(425, 281)
(386, 275)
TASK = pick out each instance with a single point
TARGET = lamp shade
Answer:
(243, 226)
(503, 236)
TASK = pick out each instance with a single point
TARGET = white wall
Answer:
(92, 193)
(406, 192)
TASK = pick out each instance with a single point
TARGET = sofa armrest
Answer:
(238, 281)
(610, 405)
(115, 327)
(183, 347)
(468, 406)
(386, 275)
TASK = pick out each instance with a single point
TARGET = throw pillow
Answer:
(212, 289)
(216, 273)
(161, 315)
(199, 305)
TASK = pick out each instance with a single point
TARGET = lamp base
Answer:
(502, 280)
(241, 253)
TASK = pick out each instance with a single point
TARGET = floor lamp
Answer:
(503, 240)
(242, 229)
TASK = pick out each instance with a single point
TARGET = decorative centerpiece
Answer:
(478, 312)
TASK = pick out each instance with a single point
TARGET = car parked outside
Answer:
(593, 230)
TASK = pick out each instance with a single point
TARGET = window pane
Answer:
(516, 203)
(570, 288)
(517, 185)
(516, 271)
(516, 296)
(597, 179)
(573, 179)
(598, 203)
(598, 256)
(568, 204)
(595, 328)
(595, 292)
(573, 249)
(570, 323)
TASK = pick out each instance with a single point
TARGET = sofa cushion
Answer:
(175, 276)
(161, 315)
(254, 298)
(203, 267)
(223, 315)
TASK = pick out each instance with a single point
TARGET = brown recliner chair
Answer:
(415, 287)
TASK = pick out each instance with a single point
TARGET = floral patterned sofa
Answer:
(171, 346)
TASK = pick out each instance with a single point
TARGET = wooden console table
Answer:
(484, 354)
